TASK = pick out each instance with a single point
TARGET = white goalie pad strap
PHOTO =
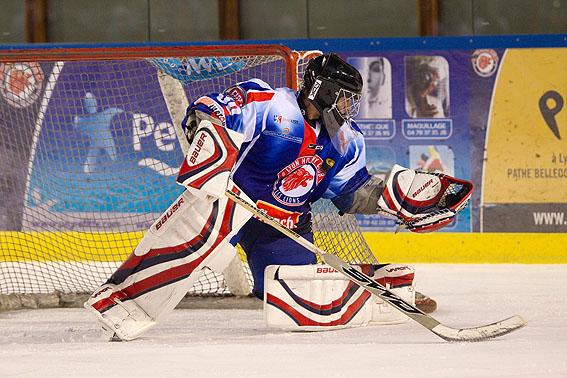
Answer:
(313, 298)
(167, 262)
(400, 280)
(126, 320)
(211, 156)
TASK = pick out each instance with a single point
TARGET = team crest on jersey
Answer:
(296, 181)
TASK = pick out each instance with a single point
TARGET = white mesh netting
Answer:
(90, 159)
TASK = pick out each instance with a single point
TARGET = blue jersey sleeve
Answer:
(352, 175)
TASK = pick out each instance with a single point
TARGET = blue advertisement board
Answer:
(414, 112)
(106, 142)
(98, 137)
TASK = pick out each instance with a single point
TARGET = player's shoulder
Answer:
(287, 93)
(284, 115)
(284, 104)
(255, 85)
(358, 137)
(253, 91)
(355, 127)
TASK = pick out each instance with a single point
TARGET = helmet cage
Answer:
(328, 95)
(347, 104)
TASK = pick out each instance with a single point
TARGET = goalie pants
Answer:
(266, 246)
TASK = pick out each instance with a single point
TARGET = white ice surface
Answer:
(235, 343)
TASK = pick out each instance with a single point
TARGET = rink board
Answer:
(466, 248)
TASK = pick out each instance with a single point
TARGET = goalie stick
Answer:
(480, 333)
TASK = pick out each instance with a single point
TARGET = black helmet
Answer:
(328, 80)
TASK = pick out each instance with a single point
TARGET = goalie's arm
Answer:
(214, 131)
(203, 109)
(209, 161)
(363, 200)
(227, 109)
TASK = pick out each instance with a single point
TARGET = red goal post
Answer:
(92, 154)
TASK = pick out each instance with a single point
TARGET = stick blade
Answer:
(481, 333)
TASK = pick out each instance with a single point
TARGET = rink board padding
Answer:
(464, 248)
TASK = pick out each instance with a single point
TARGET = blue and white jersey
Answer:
(284, 164)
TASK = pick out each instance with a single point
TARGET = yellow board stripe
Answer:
(470, 248)
(67, 246)
(465, 248)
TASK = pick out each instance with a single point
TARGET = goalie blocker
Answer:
(319, 298)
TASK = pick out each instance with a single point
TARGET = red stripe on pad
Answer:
(169, 275)
(303, 320)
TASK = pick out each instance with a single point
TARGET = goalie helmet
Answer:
(333, 86)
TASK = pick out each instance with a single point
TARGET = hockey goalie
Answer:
(280, 150)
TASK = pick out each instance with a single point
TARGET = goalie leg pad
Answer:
(400, 280)
(165, 264)
(265, 246)
(126, 320)
(318, 298)
(313, 298)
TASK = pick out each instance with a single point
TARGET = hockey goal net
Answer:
(90, 156)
